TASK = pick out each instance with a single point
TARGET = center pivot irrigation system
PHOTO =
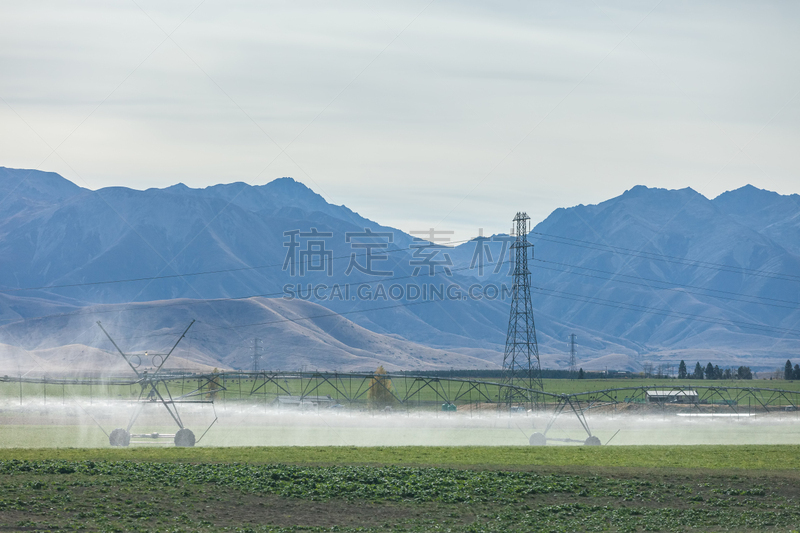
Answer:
(520, 390)
(400, 394)
(150, 395)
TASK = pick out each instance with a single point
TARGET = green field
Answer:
(569, 386)
(473, 489)
(241, 389)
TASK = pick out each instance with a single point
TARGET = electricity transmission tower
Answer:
(572, 362)
(521, 359)
(256, 353)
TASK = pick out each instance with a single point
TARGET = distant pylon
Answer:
(521, 359)
(256, 354)
(572, 362)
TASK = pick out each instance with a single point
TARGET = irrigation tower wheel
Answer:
(537, 439)
(184, 438)
(592, 441)
(119, 437)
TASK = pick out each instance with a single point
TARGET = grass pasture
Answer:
(470, 489)
(570, 386)
(241, 388)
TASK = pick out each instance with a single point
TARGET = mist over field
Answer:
(82, 422)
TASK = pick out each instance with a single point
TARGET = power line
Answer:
(228, 299)
(581, 298)
(675, 286)
(557, 294)
(666, 258)
(543, 236)
(205, 272)
(324, 315)
(554, 293)
(672, 314)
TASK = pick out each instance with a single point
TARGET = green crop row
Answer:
(152, 496)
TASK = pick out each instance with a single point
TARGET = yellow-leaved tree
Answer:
(380, 390)
(213, 386)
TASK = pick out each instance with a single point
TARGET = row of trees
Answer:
(790, 372)
(660, 371)
(714, 372)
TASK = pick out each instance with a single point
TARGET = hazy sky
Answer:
(416, 114)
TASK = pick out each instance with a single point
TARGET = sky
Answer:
(416, 114)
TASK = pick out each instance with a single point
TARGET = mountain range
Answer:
(652, 275)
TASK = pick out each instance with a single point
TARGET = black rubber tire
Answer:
(537, 439)
(119, 437)
(592, 441)
(184, 438)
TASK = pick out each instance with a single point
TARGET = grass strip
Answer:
(745, 457)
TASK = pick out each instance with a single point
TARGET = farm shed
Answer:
(671, 396)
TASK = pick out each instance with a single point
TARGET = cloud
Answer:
(456, 114)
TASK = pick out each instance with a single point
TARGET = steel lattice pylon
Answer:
(572, 362)
(521, 359)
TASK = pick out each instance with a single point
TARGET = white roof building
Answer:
(672, 396)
